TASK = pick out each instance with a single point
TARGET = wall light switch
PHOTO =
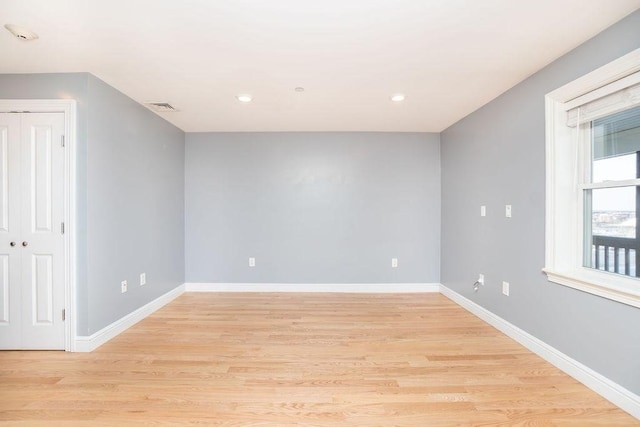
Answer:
(252, 262)
(143, 279)
(483, 210)
(394, 262)
(505, 288)
(123, 286)
(507, 211)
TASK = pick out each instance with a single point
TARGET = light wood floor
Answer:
(300, 359)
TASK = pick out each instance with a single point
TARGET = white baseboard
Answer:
(606, 388)
(89, 343)
(314, 287)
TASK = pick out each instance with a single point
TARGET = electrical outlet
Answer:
(394, 262)
(478, 283)
(252, 262)
(143, 279)
(505, 288)
(507, 211)
(123, 286)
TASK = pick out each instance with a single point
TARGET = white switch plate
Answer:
(252, 262)
(143, 279)
(483, 210)
(123, 286)
(394, 262)
(481, 279)
(505, 288)
(507, 211)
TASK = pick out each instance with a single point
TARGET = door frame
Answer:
(69, 108)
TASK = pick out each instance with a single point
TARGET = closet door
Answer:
(10, 253)
(41, 242)
(33, 242)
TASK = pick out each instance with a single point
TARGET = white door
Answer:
(31, 234)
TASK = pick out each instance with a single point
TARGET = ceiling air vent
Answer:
(161, 107)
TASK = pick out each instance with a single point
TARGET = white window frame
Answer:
(564, 181)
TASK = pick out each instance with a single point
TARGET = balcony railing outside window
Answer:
(616, 255)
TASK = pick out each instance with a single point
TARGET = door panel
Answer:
(11, 256)
(4, 289)
(42, 289)
(4, 178)
(41, 141)
(42, 245)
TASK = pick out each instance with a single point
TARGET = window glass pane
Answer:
(614, 168)
(610, 230)
(614, 211)
(616, 140)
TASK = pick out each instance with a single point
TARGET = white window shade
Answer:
(595, 105)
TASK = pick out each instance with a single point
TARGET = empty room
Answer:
(335, 213)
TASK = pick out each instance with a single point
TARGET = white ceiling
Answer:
(448, 56)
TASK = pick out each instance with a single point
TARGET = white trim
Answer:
(615, 393)
(90, 343)
(610, 184)
(619, 288)
(563, 216)
(395, 288)
(69, 108)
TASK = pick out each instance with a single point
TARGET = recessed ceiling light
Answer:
(21, 32)
(398, 97)
(299, 89)
(244, 97)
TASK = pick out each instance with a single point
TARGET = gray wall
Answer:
(312, 207)
(495, 157)
(135, 204)
(130, 172)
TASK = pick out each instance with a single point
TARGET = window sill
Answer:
(607, 285)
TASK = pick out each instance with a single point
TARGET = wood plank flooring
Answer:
(300, 359)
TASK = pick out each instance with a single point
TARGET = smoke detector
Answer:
(161, 107)
(21, 32)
